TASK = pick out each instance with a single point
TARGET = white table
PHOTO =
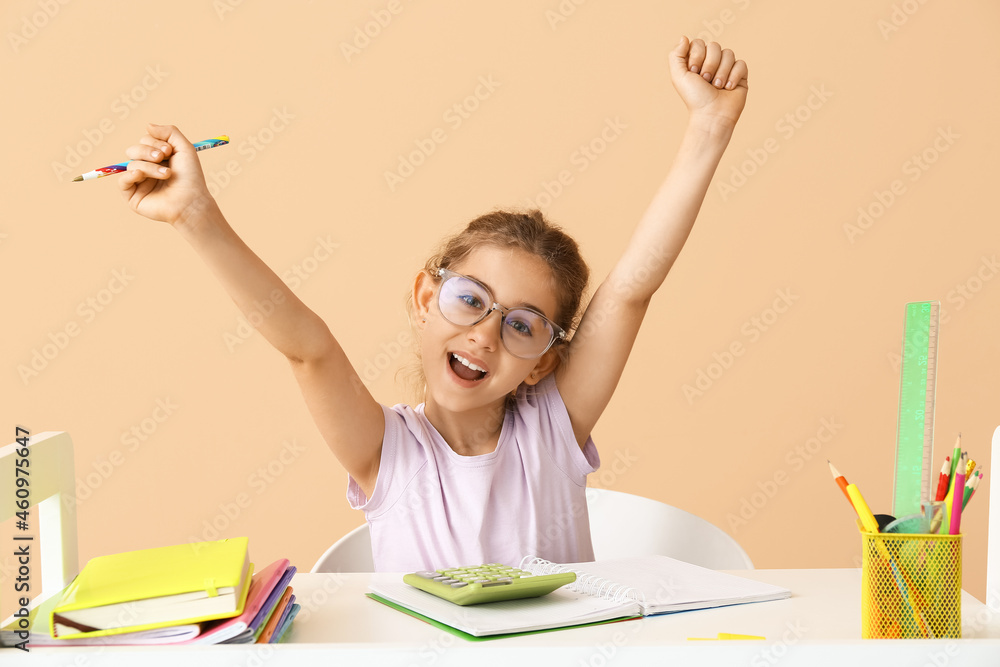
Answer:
(819, 625)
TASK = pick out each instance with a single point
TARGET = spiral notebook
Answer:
(604, 591)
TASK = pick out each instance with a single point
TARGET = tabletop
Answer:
(820, 624)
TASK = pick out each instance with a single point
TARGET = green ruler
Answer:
(915, 429)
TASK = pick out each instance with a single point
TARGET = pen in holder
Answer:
(911, 586)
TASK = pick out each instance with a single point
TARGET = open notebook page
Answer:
(667, 584)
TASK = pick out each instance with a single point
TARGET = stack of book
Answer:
(199, 593)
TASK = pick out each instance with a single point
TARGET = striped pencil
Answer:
(122, 166)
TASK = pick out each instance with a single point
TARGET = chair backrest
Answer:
(993, 540)
(351, 553)
(51, 482)
(621, 525)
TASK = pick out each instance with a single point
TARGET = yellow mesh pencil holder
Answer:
(911, 586)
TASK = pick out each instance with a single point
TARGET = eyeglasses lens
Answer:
(464, 302)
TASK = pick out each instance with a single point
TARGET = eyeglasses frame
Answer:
(558, 333)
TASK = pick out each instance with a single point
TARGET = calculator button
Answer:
(478, 584)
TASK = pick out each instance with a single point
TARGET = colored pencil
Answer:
(957, 498)
(861, 507)
(954, 458)
(943, 479)
(971, 490)
(840, 479)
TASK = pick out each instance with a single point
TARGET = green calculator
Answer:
(491, 582)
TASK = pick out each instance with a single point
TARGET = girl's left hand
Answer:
(709, 79)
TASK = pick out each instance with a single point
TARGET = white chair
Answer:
(53, 553)
(621, 525)
(351, 553)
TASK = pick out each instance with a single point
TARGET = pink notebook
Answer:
(260, 588)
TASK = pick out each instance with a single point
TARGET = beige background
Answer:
(843, 96)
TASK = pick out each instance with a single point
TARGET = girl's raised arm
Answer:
(713, 86)
(349, 419)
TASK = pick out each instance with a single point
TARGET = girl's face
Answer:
(448, 350)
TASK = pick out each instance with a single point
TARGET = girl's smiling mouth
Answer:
(465, 368)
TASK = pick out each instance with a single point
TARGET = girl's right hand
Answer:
(166, 193)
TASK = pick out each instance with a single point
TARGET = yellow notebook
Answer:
(152, 588)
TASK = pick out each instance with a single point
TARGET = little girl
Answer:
(493, 465)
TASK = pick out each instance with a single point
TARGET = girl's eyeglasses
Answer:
(525, 332)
